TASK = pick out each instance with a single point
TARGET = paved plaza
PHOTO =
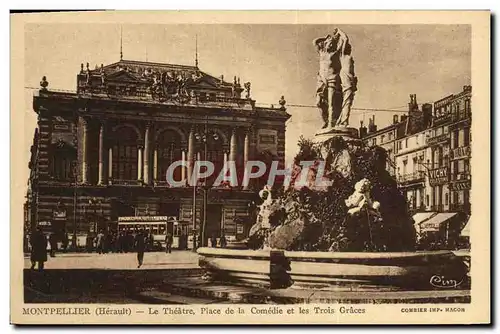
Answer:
(120, 261)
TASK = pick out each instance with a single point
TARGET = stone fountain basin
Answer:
(340, 270)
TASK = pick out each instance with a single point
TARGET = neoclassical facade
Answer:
(103, 152)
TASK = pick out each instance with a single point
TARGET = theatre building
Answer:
(102, 152)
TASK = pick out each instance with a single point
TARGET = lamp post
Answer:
(203, 139)
(75, 194)
(93, 202)
(193, 216)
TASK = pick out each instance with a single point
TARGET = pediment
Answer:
(205, 84)
(122, 76)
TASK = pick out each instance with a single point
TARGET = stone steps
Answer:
(205, 291)
(160, 297)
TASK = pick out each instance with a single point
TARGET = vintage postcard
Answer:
(287, 167)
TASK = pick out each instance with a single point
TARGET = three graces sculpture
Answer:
(337, 82)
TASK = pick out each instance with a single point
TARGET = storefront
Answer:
(441, 231)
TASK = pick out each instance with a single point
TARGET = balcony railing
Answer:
(461, 115)
(464, 176)
(125, 182)
(142, 93)
(418, 176)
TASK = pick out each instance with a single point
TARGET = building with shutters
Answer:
(432, 163)
(102, 152)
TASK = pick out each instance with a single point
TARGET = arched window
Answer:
(169, 151)
(125, 154)
(215, 154)
(63, 160)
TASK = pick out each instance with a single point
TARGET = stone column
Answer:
(183, 169)
(190, 152)
(155, 164)
(110, 164)
(101, 155)
(84, 150)
(139, 163)
(233, 147)
(246, 153)
(146, 154)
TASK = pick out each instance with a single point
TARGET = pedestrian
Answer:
(140, 246)
(223, 240)
(38, 249)
(213, 240)
(65, 242)
(53, 244)
(168, 242)
(100, 239)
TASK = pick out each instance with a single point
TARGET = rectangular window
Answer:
(466, 136)
(374, 141)
(461, 138)
(406, 143)
(382, 139)
(461, 166)
(455, 139)
(440, 195)
(446, 199)
(390, 135)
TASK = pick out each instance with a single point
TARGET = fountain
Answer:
(354, 233)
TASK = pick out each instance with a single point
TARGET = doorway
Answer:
(214, 219)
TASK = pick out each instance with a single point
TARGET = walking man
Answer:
(140, 246)
(53, 244)
(38, 249)
(100, 242)
(168, 242)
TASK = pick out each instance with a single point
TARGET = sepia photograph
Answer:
(319, 165)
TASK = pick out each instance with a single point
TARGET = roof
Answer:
(420, 217)
(141, 70)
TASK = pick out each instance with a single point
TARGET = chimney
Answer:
(395, 119)
(427, 111)
(362, 130)
(413, 105)
(371, 125)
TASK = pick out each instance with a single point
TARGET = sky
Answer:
(391, 62)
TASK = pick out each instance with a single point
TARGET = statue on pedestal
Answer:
(337, 82)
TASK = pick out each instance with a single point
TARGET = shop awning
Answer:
(466, 230)
(433, 224)
(420, 217)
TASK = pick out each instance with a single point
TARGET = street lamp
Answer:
(75, 194)
(93, 202)
(203, 138)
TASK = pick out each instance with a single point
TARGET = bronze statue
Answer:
(336, 79)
